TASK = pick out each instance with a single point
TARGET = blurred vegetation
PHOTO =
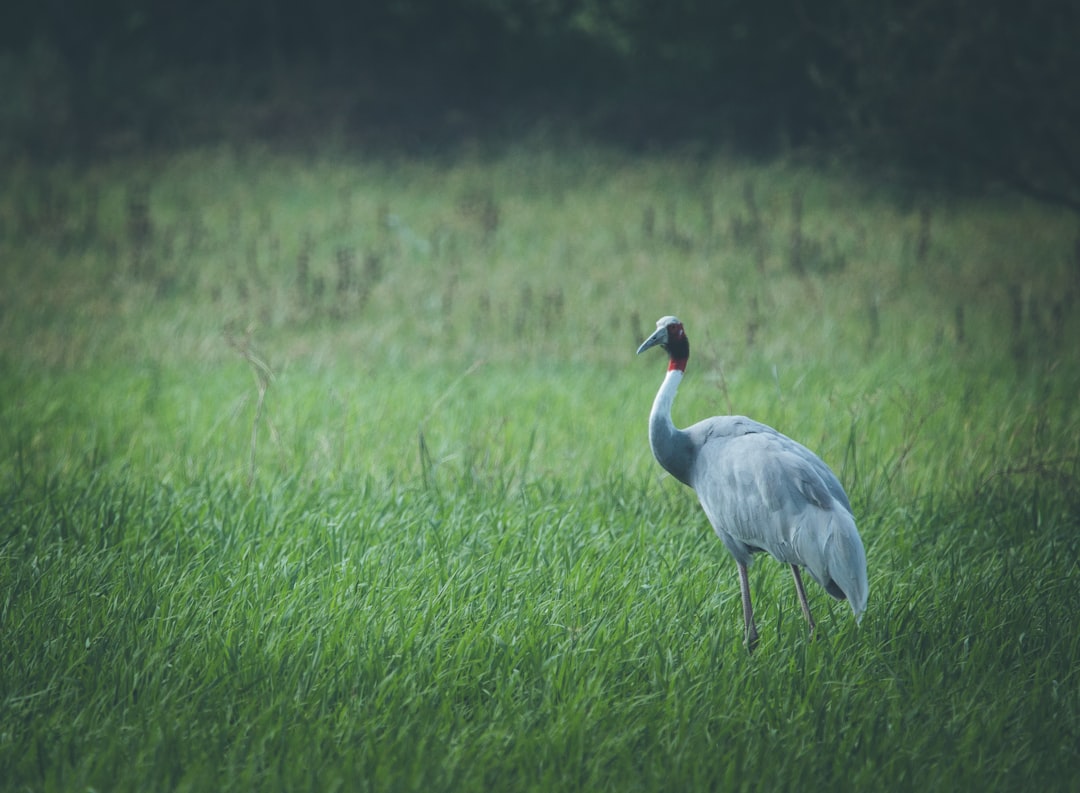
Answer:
(971, 91)
(323, 471)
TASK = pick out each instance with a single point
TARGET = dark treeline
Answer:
(971, 88)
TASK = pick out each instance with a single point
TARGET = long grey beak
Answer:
(659, 337)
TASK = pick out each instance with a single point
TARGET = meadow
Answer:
(329, 471)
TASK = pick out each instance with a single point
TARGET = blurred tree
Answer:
(959, 88)
(966, 88)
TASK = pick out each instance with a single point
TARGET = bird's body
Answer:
(760, 490)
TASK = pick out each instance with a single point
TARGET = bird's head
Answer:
(671, 336)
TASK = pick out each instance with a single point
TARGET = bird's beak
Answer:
(659, 337)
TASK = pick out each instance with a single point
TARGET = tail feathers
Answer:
(839, 564)
(846, 562)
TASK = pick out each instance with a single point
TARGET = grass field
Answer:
(330, 472)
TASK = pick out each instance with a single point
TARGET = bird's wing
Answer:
(735, 426)
(763, 491)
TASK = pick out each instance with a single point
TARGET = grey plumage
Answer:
(760, 490)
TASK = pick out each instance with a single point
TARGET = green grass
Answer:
(323, 472)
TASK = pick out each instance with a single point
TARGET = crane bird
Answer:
(761, 491)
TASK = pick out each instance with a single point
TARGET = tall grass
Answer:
(326, 472)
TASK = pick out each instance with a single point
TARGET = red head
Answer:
(670, 335)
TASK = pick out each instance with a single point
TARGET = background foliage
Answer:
(323, 461)
(326, 471)
(965, 90)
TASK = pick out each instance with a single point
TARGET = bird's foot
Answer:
(751, 638)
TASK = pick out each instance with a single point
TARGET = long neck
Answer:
(671, 447)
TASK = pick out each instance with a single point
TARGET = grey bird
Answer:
(761, 491)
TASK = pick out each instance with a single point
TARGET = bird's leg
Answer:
(802, 597)
(751, 634)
